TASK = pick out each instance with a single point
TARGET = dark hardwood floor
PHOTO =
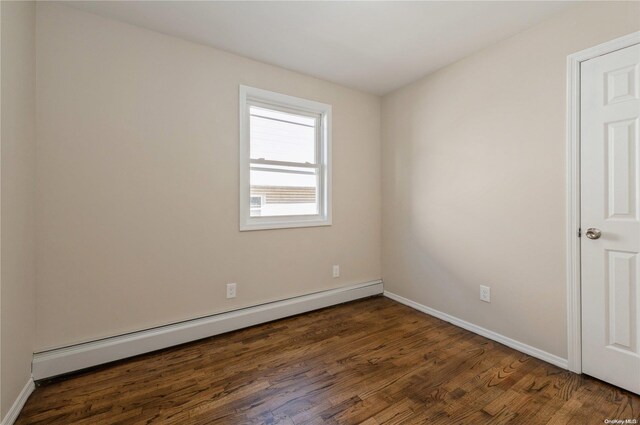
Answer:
(372, 361)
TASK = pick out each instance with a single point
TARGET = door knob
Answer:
(593, 233)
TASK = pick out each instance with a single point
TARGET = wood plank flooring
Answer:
(372, 361)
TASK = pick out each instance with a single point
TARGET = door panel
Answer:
(621, 312)
(620, 170)
(610, 114)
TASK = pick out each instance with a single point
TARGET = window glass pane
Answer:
(283, 116)
(279, 136)
(283, 191)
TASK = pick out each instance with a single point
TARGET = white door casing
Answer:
(610, 202)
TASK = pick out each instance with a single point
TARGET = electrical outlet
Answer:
(336, 271)
(231, 290)
(485, 293)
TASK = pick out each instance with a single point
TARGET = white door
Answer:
(610, 217)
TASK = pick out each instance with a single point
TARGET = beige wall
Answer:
(474, 179)
(137, 174)
(17, 150)
(137, 183)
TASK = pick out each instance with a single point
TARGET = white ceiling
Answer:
(372, 46)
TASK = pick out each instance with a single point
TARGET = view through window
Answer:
(284, 166)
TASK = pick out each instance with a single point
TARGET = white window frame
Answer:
(250, 96)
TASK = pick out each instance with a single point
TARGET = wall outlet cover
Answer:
(231, 290)
(485, 293)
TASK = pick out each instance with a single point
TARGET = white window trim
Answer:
(279, 101)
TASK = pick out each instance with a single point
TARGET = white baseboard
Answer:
(17, 406)
(512, 343)
(69, 359)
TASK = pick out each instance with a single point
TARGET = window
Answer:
(285, 172)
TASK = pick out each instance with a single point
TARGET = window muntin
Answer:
(285, 172)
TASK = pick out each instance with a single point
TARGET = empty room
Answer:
(319, 212)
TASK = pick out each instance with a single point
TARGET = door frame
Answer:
(574, 319)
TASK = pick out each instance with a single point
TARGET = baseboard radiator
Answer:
(60, 361)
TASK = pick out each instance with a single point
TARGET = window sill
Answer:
(273, 224)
